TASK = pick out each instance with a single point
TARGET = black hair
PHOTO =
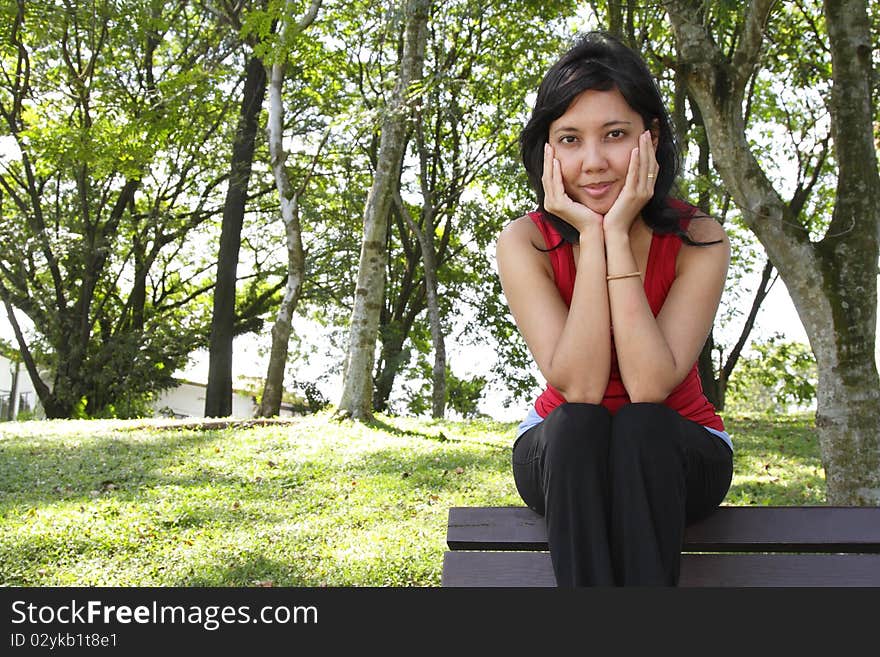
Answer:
(600, 61)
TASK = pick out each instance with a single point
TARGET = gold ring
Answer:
(651, 175)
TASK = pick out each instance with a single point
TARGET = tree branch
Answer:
(763, 290)
(748, 50)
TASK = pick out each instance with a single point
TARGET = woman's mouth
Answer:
(596, 190)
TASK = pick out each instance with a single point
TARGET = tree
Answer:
(270, 402)
(218, 394)
(109, 107)
(833, 279)
(356, 400)
(479, 67)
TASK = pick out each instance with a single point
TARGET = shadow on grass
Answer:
(47, 472)
(386, 427)
(441, 468)
(251, 569)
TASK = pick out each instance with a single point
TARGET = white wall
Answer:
(188, 400)
(24, 390)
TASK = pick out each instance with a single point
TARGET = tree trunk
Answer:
(270, 404)
(848, 414)
(392, 356)
(425, 235)
(706, 369)
(398, 315)
(833, 283)
(357, 392)
(52, 407)
(438, 373)
(13, 392)
(718, 385)
(218, 396)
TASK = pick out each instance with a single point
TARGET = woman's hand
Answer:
(638, 188)
(557, 202)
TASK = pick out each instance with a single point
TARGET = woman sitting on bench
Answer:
(614, 285)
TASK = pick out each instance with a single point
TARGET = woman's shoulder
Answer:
(702, 228)
(710, 249)
(520, 250)
(698, 225)
(522, 231)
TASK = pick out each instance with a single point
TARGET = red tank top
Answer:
(688, 398)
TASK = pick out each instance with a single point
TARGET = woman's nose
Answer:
(593, 157)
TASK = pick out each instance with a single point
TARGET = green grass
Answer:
(314, 502)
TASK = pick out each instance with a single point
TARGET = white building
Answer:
(17, 393)
(188, 400)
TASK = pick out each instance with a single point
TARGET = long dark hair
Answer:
(600, 61)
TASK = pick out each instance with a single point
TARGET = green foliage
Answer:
(778, 376)
(308, 398)
(116, 124)
(8, 351)
(481, 62)
(26, 416)
(463, 394)
(312, 502)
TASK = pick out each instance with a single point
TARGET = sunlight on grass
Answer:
(309, 502)
(776, 462)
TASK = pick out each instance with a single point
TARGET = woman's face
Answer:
(593, 141)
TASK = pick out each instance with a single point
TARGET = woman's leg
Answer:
(560, 467)
(665, 471)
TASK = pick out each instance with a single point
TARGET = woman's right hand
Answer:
(557, 202)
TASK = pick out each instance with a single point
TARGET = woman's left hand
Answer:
(637, 189)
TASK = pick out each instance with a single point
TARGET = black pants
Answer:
(617, 491)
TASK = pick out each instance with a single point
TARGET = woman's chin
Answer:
(599, 207)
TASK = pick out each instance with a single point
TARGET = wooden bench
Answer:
(736, 547)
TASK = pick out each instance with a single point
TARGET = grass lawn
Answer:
(310, 502)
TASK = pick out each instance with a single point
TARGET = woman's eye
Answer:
(567, 139)
(616, 134)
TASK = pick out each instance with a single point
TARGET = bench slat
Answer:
(533, 569)
(497, 569)
(729, 529)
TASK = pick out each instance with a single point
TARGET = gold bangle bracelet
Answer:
(616, 276)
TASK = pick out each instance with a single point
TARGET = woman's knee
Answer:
(578, 416)
(575, 431)
(646, 429)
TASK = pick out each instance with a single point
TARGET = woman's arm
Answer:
(571, 346)
(654, 355)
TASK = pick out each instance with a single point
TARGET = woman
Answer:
(614, 286)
